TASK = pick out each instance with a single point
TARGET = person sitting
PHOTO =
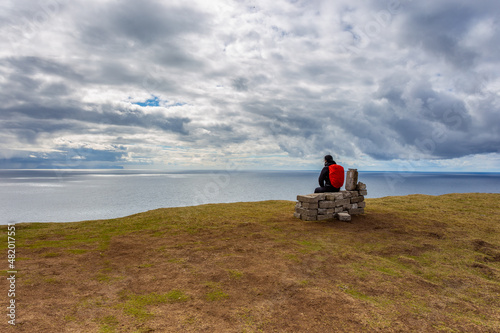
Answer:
(331, 177)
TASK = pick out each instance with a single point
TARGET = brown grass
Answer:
(410, 264)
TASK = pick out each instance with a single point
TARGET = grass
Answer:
(235, 274)
(108, 324)
(215, 293)
(411, 263)
(136, 305)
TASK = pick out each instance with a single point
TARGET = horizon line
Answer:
(237, 170)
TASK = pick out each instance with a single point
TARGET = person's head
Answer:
(329, 159)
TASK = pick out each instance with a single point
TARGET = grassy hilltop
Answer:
(410, 264)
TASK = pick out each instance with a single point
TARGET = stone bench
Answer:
(340, 205)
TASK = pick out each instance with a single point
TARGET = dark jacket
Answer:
(324, 176)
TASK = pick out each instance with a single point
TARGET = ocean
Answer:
(77, 195)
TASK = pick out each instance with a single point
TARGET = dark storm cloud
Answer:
(408, 116)
(172, 55)
(106, 115)
(300, 128)
(144, 22)
(435, 124)
(240, 84)
(441, 30)
(32, 65)
(151, 30)
(67, 158)
(24, 78)
(28, 130)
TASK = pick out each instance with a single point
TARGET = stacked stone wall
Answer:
(340, 205)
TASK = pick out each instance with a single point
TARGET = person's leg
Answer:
(319, 190)
(331, 189)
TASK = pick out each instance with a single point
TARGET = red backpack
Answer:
(336, 175)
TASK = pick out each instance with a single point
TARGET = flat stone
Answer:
(344, 217)
(357, 199)
(356, 211)
(363, 192)
(327, 204)
(324, 211)
(354, 206)
(297, 215)
(342, 202)
(339, 209)
(298, 204)
(334, 196)
(311, 198)
(309, 218)
(354, 193)
(362, 204)
(361, 186)
(325, 217)
(310, 205)
(346, 194)
(309, 212)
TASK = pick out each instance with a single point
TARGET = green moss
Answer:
(293, 257)
(216, 293)
(235, 274)
(388, 271)
(310, 246)
(137, 305)
(145, 265)
(356, 294)
(108, 324)
(103, 277)
(69, 318)
(176, 296)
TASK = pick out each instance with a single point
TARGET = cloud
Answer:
(145, 23)
(104, 115)
(66, 158)
(157, 83)
(240, 84)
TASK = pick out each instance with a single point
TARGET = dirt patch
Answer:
(491, 251)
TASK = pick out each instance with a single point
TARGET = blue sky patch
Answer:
(155, 101)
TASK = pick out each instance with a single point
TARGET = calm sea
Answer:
(76, 195)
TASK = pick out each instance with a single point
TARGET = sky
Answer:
(380, 85)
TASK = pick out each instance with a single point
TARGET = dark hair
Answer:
(329, 159)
